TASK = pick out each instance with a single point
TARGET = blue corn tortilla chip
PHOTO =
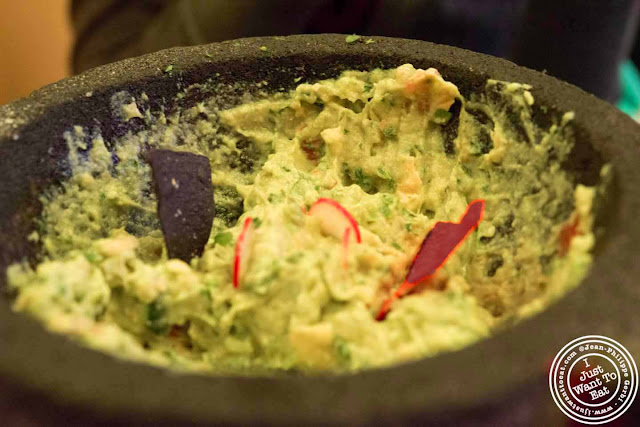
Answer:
(185, 200)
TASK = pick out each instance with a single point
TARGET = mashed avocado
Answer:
(399, 149)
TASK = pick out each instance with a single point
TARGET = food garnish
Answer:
(352, 38)
(567, 233)
(436, 248)
(185, 200)
(336, 221)
(243, 251)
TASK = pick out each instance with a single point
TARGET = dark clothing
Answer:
(581, 41)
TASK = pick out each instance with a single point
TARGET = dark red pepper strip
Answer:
(402, 290)
(443, 239)
(567, 233)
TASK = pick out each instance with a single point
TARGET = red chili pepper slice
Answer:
(442, 240)
(567, 233)
(242, 252)
(436, 248)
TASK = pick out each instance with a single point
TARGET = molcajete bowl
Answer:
(48, 378)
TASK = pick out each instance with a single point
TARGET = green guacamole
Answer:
(399, 149)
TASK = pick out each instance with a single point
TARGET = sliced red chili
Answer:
(437, 247)
(442, 240)
(567, 233)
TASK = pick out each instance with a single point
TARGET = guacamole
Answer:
(398, 149)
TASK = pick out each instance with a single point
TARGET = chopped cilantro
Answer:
(363, 180)
(168, 69)
(442, 116)
(102, 195)
(390, 182)
(390, 132)
(369, 41)
(352, 38)
(368, 87)
(91, 256)
(384, 174)
(397, 246)
(346, 131)
(341, 347)
(223, 238)
(205, 293)
(408, 226)
(263, 48)
(257, 222)
(156, 321)
(386, 209)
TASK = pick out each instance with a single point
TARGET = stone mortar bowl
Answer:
(54, 380)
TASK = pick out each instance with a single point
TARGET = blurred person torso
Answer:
(580, 41)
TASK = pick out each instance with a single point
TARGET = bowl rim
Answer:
(512, 358)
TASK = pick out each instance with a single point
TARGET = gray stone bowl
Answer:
(46, 378)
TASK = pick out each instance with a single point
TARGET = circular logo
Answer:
(593, 379)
